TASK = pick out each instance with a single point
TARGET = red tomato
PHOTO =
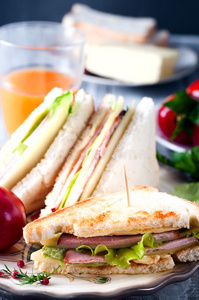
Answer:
(193, 90)
(12, 218)
(167, 121)
(195, 137)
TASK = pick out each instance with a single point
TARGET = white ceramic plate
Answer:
(186, 64)
(89, 287)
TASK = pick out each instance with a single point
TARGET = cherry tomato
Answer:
(12, 218)
(193, 90)
(167, 121)
(195, 137)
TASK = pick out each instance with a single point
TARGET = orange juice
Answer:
(27, 90)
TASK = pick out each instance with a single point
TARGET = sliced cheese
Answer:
(107, 155)
(144, 64)
(37, 256)
(53, 241)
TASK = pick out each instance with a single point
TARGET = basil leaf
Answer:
(189, 191)
(181, 104)
(194, 114)
(182, 123)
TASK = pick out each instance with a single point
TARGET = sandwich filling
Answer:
(118, 251)
(39, 129)
(85, 165)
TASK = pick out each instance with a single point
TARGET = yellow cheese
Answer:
(37, 256)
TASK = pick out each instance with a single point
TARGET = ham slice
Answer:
(173, 246)
(70, 241)
(74, 257)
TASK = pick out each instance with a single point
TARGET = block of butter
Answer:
(134, 64)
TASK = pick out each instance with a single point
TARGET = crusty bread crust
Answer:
(188, 254)
(165, 263)
(149, 211)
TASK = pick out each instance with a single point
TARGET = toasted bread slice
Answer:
(149, 211)
(164, 263)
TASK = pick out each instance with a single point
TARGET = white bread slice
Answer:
(99, 26)
(159, 38)
(188, 254)
(136, 150)
(164, 263)
(33, 188)
(149, 211)
(83, 140)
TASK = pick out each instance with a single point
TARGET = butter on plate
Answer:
(134, 64)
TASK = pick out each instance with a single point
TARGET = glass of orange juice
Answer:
(34, 58)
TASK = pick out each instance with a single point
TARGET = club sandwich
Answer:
(32, 157)
(109, 235)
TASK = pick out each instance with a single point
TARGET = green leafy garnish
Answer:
(187, 161)
(189, 191)
(122, 257)
(187, 110)
(25, 278)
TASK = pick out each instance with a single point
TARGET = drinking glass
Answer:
(34, 58)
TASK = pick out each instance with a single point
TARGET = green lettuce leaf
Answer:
(20, 148)
(189, 191)
(65, 99)
(122, 257)
(69, 189)
(54, 252)
(195, 234)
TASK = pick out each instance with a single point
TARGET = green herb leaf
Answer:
(189, 191)
(187, 161)
(194, 114)
(25, 278)
(179, 127)
(164, 159)
(181, 104)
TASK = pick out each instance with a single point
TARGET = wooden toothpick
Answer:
(127, 188)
